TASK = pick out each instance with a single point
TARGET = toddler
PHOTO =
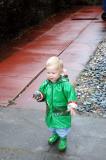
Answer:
(61, 101)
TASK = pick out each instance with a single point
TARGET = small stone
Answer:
(104, 116)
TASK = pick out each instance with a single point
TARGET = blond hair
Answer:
(55, 61)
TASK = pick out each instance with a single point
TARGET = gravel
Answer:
(91, 84)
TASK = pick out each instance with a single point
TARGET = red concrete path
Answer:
(74, 39)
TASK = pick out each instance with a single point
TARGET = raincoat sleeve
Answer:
(70, 93)
(42, 89)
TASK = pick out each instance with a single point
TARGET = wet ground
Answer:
(72, 38)
(23, 134)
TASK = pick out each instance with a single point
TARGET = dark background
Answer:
(17, 15)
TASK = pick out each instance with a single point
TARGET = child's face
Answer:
(53, 73)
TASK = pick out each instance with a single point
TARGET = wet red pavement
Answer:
(74, 39)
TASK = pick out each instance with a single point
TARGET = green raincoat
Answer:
(57, 96)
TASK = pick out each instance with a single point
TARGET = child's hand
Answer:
(72, 111)
(38, 96)
(72, 108)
